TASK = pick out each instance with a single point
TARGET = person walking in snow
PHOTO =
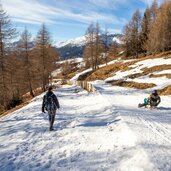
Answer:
(50, 104)
(153, 100)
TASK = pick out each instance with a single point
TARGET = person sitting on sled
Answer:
(153, 100)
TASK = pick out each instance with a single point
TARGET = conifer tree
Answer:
(89, 49)
(46, 55)
(106, 45)
(159, 37)
(131, 36)
(26, 53)
(7, 34)
(145, 29)
(151, 42)
(93, 46)
(98, 46)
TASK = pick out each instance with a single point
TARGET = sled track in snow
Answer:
(160, 130)
(157, 128)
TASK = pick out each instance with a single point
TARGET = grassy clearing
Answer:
(132, 84)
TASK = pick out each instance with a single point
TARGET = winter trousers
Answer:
(51, 118)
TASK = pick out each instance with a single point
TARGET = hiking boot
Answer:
(51, 129)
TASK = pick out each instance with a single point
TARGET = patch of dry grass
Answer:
(165, 91)
(156, 68)
(161, 75)
(107, 71)
(3, 113)
(132, 84)
(165, 55)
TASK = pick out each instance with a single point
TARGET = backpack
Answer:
(49, 102)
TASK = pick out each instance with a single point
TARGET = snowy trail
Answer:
(151, 127)
(100, 131)
(83, 140)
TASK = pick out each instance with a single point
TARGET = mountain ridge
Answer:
(74, 47)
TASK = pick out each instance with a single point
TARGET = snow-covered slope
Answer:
(137, 68)
(103, 130)
(161, 82)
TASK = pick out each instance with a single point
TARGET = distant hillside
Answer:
(150, 72)
(75, 47)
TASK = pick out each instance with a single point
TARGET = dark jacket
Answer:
(154, 98)
(55, 100)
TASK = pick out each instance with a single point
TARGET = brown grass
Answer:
(164, 55)
(161, 75)
(165, 91)
(156, 68)
(132, 84)
(14, 109)
(107, 71)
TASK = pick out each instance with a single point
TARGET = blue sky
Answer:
(66, 19)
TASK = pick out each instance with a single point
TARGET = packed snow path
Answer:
(103, 130)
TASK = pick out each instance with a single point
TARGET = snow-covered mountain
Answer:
(74, 47)
(79, 41)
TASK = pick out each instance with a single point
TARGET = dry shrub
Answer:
(132, 76)
(132, 84)
(165, 91)
(161, 75)
(14, 109)
(98, 76)
(84, 76)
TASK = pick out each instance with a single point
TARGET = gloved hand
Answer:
(157, 103)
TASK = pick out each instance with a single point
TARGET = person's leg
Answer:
(53, 117)
(50, 120)
(141, 104)
(153, 105)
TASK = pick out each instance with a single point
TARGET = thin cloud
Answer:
(109, 3)
(114, 30)
(33, 12)
(149, 2)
